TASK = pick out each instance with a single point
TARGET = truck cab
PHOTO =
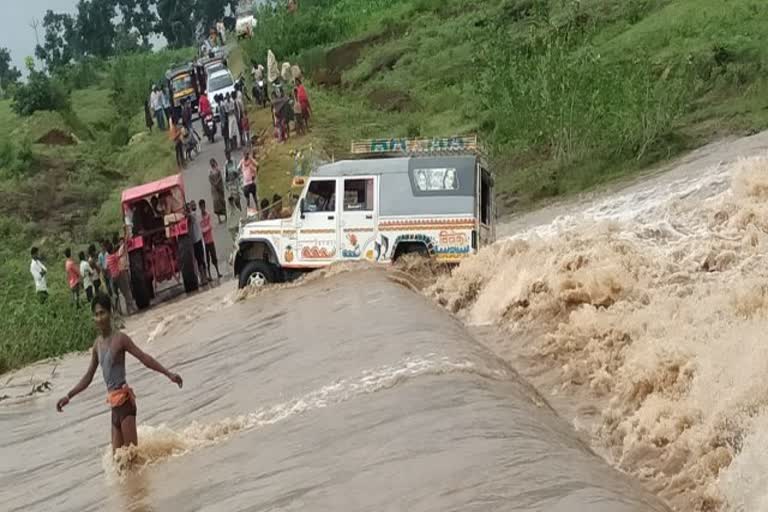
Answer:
(184, 85)
(432, 197)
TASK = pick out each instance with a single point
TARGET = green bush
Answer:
(40, 93)
(15, 158)
(119, 135)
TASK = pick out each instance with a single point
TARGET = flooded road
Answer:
(638, 313)
(346, 393)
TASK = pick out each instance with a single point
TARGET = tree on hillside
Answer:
(9, 75)
(95, 27)
(59, 42)
(208, 12)
(139, 15)
(176, 22)
(40, 92)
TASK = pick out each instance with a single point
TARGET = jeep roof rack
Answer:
(403, 147)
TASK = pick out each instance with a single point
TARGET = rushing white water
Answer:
(651, 302)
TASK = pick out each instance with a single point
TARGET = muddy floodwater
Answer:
(351, 392)
(608, 354)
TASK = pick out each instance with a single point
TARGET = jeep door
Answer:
(359, 217)
(318, 227)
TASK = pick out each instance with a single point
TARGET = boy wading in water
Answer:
(109, 351)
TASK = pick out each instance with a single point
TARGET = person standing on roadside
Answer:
(73, 277)
(102, 258)
(156, 102)
(93, 261)
(233, 181)
(186, 114)
(166, 99)
(303, 99)
(232, 120)
(224, 121)
(148, 115)
(249, 169)
(197, 240)
(217, 190)
(86, 273)
(298, 114)
(117, 263)
(39, 273)
(176, 137)
(210, 245)
(204, 109)
(222, 32)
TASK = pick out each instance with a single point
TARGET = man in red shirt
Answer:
(118, 270)
(205, 110)
(73, 276)
(210, 245)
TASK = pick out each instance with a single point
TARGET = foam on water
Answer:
(656, 304)
(158, 443)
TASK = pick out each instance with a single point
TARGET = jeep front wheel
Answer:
(256, 274)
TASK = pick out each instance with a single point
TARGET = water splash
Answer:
(657, 305)
(158, 443)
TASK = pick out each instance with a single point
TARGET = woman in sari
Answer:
(234, 185)
(217, 190)
(303, 99)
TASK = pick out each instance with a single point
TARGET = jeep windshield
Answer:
(218, 82)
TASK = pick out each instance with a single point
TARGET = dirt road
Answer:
(198, 187)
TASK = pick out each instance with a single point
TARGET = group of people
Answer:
(235, 125)
(94, 272)
(157, 109)
(229, 183)
(287, 107)
(204, 245)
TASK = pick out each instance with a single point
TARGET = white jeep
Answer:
(433, 197)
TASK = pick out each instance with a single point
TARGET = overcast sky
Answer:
(16, 34)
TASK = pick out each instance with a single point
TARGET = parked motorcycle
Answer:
(209, 123)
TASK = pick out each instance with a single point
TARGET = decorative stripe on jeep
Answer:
(264, 232)
(430, 225)
(427, 222)
(360, 230)
(318, 231)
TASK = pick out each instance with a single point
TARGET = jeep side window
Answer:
(321, 196)
(358, 195)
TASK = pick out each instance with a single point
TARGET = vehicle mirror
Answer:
(302, 207)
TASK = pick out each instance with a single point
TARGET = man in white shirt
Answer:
(222, 32)
(39, 272)
(156, 102)
(87, 274)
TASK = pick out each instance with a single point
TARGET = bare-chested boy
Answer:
(109, 351)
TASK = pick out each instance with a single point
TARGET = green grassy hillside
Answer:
(61, 174)
(567, 94)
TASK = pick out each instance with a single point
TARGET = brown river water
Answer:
(638, 314)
